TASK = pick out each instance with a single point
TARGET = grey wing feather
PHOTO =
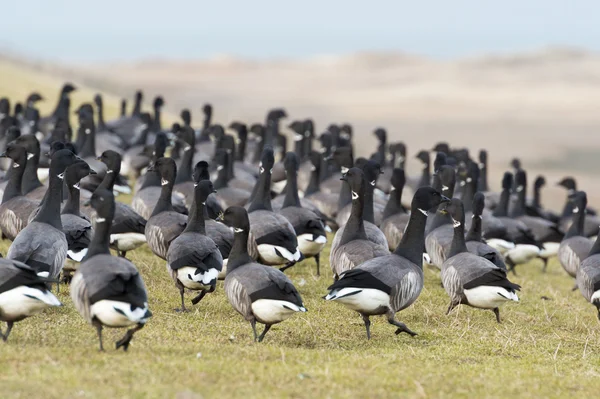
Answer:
(162, 229)
(353, 254)
(80, 297)
(588, 276)
(438, 243)
(393, 228)
(238, 297)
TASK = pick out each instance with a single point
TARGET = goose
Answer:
(22, 293)
(326, 203)
(125, 125)
(42, 243)
(61, 111)
(238, 176)
(343, 160)
(588, 276)
(123, 107)
(241, 129)
(227, 196)
(274, 235)
(259, 293)
(146, 198)
(470, 279)
(193, 259)
(127, 230)
(108, 291)
(105, 139)
(164, 224)
(475, 243)
(184, 186)
(592, 222)
(309, 227)
(390, 283)
(11, 134)
(373, 211)
(535, 208)
(353, 247)
(77, 229)
(135, 158)
(32, 187)
(574, 247)
(15, 208)
(395, 218)
(425, 179)
(204, 144)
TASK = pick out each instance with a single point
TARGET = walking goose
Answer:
(164, 224)
(470, 279)
(309, 227)
(575, 247)
(258, 292)
(390, 283)
(15, 208)
(274, 235)
(475, 243)
(127, 231)
(42, 244)
(395, 218)
(354, 246)
(22, 293)
(193, 259)
(108, 291)
(588, 276)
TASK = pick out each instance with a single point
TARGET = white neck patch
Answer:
(313, 168)
(469, 179)
(455, 223)
(344, 170)
(220, 167)
(481, 165)
(445, 188)
(354, 195)
(195, 184)
(61, 176)
(373, 183)
(261, 170)
(238, 230)
(463, 183)
(576, 209)
(424, 212)
(87, 131)
(476, 216)
(29, 155)
(16, 165)
(100, 220)
(109, 171)
(76, 185)
(163, 182)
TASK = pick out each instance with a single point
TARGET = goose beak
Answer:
(344, 178)
(221, 217)
(328, 158)
(93, 172)
(445, 200)
(78, 158)
(3, 155)
(99, 157)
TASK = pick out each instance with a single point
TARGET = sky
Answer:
(106, 30)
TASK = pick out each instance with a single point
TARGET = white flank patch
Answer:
(270, 257)
(77, 256)
(523, 253)
(122, 189)
(595, 296)
(23, 301)
(499, 245)
(44, 274)
(489, 297)
(550, 249)
(328, 229)
(273, 311)
(427, 259)
(278, 186)
(310, 246)
(187, 277)
(223, 271)
(106, 311)
(128, 241)
(365, 300)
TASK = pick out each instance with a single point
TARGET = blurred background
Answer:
(521, 79)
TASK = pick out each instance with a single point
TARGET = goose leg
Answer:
(181, 291)
(511, 265)
(262, 336)
(198, 298)
(126, 340)
(99, 331)
(367, 325)
(287, 266)
(318, 260)
(497, 313)
(575, 288)
(401, 327)
(545, 260)
(9, 326)
(451, 307)
(253, 324)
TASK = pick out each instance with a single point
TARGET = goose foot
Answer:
(451, 307)
(511, 266)
(9, 326)
(199, 297)
(575, 287)
(401, 327)
(497, 313)
(262, 336)
(367, 325)
(287, 266)
(126, 340)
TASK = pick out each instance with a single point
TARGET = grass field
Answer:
(544, 347)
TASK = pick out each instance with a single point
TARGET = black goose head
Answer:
(507, 181)
(98, 100)
(579, 201)
(203, 189)
(398, 179)
(33, 98)
(309, 128)
(442, 147)
(423, 156)
(372, 170)
(103, 201)
(85, 110)
(240, 128)
(68, 88)
(448, 179)
(427, 199)
(298, 128)
(356, 180)
(483, 158)
(161, 142)
(258, 130)
(17, 153)
(326, 141)
(346, 131)
(217, 132)
(77, 171)
(186, 117)
(276, 114)
(381, 135)
(472, 173)
(290, 162)
(166, 168)
(139, 95)
(207, 110)
(440, 160)
(236, 217)
(539, 182)
(112, 160)
(267, 160)
(520, 181)
(478, 203)
(569, 183)
(456, 211)
(360, 162)
(18, 109)
(30, 142)
(4, 106)
(201, 172)
(55, 146)
(158, 103)
(515, 163)
(62, 159)
(343, 158)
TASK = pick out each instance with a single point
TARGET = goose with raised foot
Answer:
(164, 224)
(309, 227)
(588, 276)
(22, 293)
(193, 259)
(108, 291)
(575, 246)
(259, 293)
(353, 247)
(470, 279)
(42, 244)
(391, 283)
(274, 235)
(395, 217)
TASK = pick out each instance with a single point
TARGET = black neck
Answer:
(483, 181)
(13, 186)
(345, 196)
(291, 193)
(72, 204)
(241, 150)
(196, 222)
(519, 209)
(577, 227)
(394, 204)
(152, 176)
(89, 145)
(469, 193)
(459, 244)
(475, 232)
(355, 227)
(101, 124)
(368, 213)
(109, 179)
(230, 164)
(50, 208)
(100, 243)
(413, 241)
(425, 176)
(222, 178)
(137, 107)
(262, 196)
(568, 209)
(238, 256)
(157, 122)
(314, 182)
(30, 177)
(164, 201)
(436, 181)
(502, 207)
(184, 173)
(537, 197)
